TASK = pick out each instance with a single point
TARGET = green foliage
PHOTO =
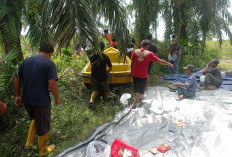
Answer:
(146, 14)
(10, 25)
(191, 21)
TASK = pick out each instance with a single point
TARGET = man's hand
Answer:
(176, 84)
(18, 100)
(171, 65)
(58, 101)
(3, 108)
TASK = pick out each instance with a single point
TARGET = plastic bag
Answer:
(202, 78)
(98, 149)
(119, 148)
(124, 98)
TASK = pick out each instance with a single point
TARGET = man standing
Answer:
(37, 73)
(213, 76)
(187, 89)
(152, 48)
(174, 56)
(99, 73)
(3, 106)
(141, 59)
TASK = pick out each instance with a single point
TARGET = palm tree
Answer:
(146, 13)
(57, 21)
(191, 20)
(10, 26)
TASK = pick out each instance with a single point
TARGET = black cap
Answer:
(215, 61)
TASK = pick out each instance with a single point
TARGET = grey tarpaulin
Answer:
(208, 132)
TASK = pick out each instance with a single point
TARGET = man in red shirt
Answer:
(141, 59)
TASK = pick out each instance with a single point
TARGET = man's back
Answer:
(99, 71)
(141, 59)
(152, 47)
(35, 73)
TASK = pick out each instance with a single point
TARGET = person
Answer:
(37, 73)
(99, 78)
(174, 56)
(111, 39)
(141, 59)
(3, 106)
(213, 76)
(187, 89)
(79, 50)
(152, 48)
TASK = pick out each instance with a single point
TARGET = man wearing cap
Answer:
(213, 76)
(187, 89)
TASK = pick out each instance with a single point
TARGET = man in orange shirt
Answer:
(111, 39)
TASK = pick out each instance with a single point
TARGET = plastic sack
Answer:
(202, 78)
(98, 149)
(124, 98)
(119, 148)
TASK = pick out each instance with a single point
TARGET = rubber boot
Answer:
(31, 135)
(93, 96)
(43, 145)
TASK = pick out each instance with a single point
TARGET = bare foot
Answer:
(181, 96)
(133, 106)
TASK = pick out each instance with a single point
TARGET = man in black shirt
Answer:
(99, 73)
(152, 47)
(38, 75)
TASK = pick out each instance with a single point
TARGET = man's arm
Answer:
(163, 62)
(17, 91)
(54, 90)
(180, 84)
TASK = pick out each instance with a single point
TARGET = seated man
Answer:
(213, 76)
(99, 78)
(187, 89)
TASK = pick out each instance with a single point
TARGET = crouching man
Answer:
(187, 89)
(38, 73)
(213, 76)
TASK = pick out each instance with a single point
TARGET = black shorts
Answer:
(149, 67)
(139, 84)
(96, 85)
(42, 117)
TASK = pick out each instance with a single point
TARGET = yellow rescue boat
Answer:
(120, 73)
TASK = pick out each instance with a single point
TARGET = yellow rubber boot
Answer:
(43, 145)
(31, 135)
(93, 96)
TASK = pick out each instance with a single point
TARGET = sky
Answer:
(160, 29)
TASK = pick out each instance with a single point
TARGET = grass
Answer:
(73, 121)
(225, 53)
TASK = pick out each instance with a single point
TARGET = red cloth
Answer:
(141, 59)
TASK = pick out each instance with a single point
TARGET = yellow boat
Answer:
(120, 73)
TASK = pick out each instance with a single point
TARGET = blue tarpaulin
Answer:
(226, 84)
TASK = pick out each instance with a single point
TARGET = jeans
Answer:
(185, 92)
(175, 70)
